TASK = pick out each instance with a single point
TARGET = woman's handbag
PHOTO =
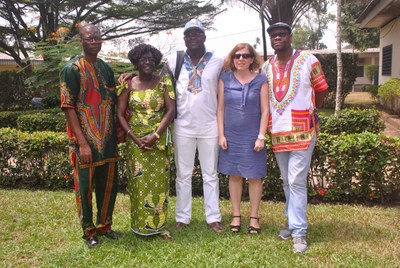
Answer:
(121, 134)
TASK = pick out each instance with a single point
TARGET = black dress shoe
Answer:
(111, 234)
(93, 242)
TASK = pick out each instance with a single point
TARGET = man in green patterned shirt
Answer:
(88, 99)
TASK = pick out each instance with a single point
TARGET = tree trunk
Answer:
(264, 37)
(339, 95)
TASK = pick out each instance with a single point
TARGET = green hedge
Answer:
(352, 120)
(42, 122)
(34, 120)
(34, 160)
(347, 168)
(389, 89)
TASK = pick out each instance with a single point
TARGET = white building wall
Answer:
(390, 35)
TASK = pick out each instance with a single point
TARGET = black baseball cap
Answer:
(279, 25)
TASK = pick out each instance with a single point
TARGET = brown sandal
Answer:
(235, 228)
(252, 229)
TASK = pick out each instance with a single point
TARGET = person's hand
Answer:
(147, 142)
(125, 76)
(259, 145)
(85, 154)
(223, 143)
(150, 140)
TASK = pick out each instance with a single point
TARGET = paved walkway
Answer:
(392, 123)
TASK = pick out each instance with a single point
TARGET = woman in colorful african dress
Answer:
(150, 98)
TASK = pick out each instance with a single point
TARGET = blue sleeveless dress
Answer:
(242, 117)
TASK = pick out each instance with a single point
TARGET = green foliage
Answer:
(308, 35)
(389, 89)
(60, 21)
(329, 65)
(52, 99)
(13, 91)
(370, 71)
(352, 121)
(361, 167)
(42, 122)
(373, 90)
(45, 76)
(120, 68)
(34, 160)
(351, 32)
(10, 119)
(355, 168)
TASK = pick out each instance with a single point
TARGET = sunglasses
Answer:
(193, 34)
(280, 34)
(244, 56)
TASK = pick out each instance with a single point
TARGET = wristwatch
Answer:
(261, 137)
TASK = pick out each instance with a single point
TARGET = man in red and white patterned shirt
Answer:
(297, 87)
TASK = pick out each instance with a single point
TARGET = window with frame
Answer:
(387, 60)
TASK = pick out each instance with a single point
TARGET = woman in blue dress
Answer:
(243, 111)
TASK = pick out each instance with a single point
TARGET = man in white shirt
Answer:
(196, 126)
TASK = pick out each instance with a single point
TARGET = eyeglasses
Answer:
(244, 56)
(194, 34)
(92, 39)
(280, 34)
(143, 60)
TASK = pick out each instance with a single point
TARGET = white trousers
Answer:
(294, 167)
(185, 150)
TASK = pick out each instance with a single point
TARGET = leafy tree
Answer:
(310, 30)
(272, 11)
(351, 32)
(25, 23)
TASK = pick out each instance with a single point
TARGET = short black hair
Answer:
(138, 51)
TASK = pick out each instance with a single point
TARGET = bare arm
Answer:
(125, 77)
(220, 116)
(122, 104)
(264, 101)
(169, 114)
(320, 97)
(85, 153)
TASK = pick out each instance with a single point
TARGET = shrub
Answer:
(34, 160)
(42, 122)
(46, 119)
(373, 90)
(389, 89)
(329, 65)
(355, 168)
(352, 120)
(346, 168)
(13, 90)
(371, 71)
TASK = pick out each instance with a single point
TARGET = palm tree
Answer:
(272, 11)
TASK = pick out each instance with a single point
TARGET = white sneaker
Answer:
(285, 233)
(299, 244)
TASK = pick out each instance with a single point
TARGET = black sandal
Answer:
(235, 228)
(252, 229)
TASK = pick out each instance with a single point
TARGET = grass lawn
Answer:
(363, 99)
(40, 229)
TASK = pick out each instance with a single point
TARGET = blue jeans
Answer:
(294, 167)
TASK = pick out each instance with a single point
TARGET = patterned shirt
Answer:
(293, 120)
(89, 89)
